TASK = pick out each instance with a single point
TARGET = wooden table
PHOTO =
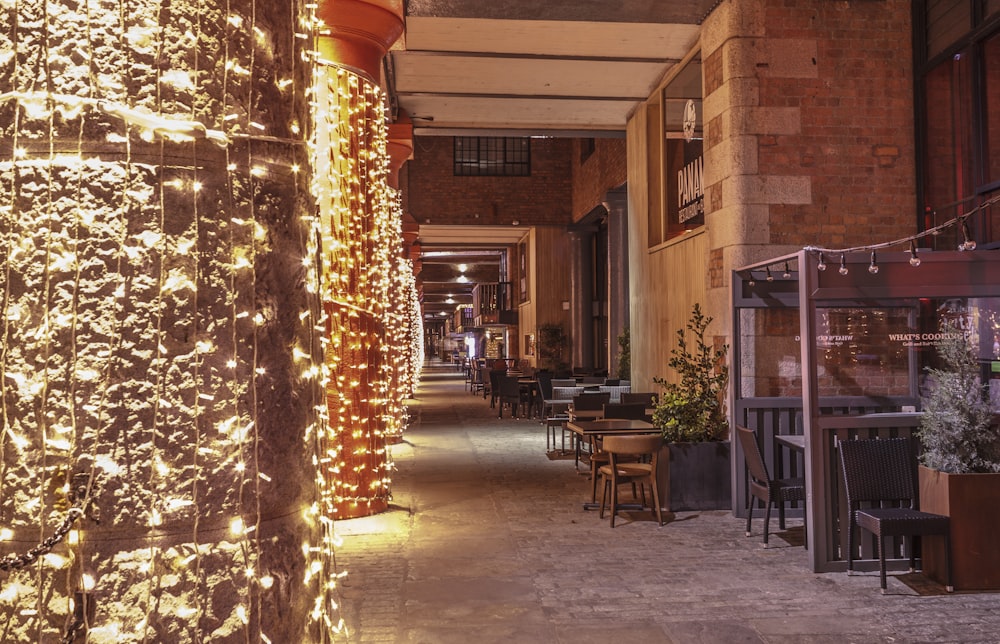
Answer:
(591, 429)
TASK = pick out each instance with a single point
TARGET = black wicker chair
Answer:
(881, 472)
(761, 486)
(510, 393)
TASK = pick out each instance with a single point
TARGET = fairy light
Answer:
(146, 299)
(138, 292)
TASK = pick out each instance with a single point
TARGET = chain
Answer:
(16, 561)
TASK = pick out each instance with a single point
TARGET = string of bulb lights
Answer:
(967, 243)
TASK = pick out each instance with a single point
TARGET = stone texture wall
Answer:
(808, 131)
(153, 290)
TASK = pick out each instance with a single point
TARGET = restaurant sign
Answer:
(690, 192)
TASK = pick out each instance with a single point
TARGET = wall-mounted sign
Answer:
(690, 190)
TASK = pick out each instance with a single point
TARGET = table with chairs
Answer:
(594, 432)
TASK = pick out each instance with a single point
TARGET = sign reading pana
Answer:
(690, 193)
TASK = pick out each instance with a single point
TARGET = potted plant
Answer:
(624, 355)
(691, 414)
(552, 343)
(959, 472)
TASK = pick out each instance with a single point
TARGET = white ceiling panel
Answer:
(524, 76)
(551, 37)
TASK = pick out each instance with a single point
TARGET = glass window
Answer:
(947, 22)
(482, 156)
(947, 144)
(991, 121)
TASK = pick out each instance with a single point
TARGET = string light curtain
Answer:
(161, 391)
(361, 244)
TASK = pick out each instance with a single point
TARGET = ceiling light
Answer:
(462, 268)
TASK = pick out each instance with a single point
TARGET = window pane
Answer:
(947, 21)
(991, 135)
(948, 167)
(492, 156)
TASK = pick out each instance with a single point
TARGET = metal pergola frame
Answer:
(947, 274)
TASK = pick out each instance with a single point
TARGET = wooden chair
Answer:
(639, 396)
(881, 473)
(592, 402)
(761, 486)
(633, 411)
(642, 450)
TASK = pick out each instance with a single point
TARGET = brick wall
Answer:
(434, 193)
(855, 141)
(603, 170)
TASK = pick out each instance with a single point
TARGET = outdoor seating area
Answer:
(493, 542)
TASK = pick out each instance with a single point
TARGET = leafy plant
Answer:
(692, 409)
(625, 354)
(552, 343)
(957, 428)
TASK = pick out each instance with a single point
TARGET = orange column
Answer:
(357, 36)
(361, 32)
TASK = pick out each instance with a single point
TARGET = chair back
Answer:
(509, 387)
(495, 380)
(634, 444)
(877, 470)
(639, 396)
(590, 401)
(592, 380)
(544, 385)
(751, 452)
(631, 411)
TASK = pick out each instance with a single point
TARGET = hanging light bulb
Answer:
(770, 278)
(821, 266)
(843, 265)
(969, 243)
(788, 273)
(914, 260)
(873, 266)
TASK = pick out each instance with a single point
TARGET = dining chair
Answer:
(511, 394)
(638, 396)
(632, 458)
(634, 411)
(762, 487)
(592, 402)
(880, 473)
(493, 390)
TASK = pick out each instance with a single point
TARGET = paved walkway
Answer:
(487, 542)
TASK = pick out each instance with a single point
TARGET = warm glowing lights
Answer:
(147, 262)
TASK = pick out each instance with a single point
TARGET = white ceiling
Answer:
(568, 68)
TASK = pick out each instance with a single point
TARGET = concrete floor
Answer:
(487, 542)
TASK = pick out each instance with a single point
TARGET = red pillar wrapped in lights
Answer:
(361, 245)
